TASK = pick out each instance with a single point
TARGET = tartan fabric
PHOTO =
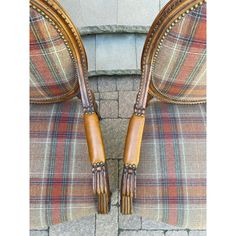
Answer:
(171, 176)
(180, 68)
(52, 73)
(60, 171)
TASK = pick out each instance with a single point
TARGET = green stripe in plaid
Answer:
(52, 73)
(60, 171)
(171, 177)
(180, 68)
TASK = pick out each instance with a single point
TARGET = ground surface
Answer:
(115, 96)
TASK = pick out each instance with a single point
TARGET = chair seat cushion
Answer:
(60, 171)
(171, 176)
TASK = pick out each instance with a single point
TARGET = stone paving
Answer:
(115, 97)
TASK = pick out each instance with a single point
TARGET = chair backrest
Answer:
(58, 63)
(174, 54)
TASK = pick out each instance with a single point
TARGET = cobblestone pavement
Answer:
(115, 97)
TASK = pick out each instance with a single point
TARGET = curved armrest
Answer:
(134, 140)
(97, 158)
(131, 160)
(94, 138)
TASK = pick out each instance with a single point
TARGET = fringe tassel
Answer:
(128, 189)
(101, 187)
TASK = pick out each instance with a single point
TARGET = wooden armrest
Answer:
(97, 157)
(94, 138)
(131, 160)
(134, 140)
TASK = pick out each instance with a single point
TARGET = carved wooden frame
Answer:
(54, 13)
(173, 11)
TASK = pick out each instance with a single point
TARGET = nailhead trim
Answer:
(168, 30)
(139, 111)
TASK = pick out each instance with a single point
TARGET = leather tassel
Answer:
(101, 186)
(128, 189)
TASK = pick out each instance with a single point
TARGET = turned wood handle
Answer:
(94, 138)
(134, 140)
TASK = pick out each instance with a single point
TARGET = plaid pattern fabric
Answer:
(60, 171)
(171, 176)
(180, 68)
(52, 73)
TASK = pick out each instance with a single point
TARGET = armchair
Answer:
(64, 126)
(164, 158)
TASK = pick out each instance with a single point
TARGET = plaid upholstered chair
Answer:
(164, 159)
(64, 127)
